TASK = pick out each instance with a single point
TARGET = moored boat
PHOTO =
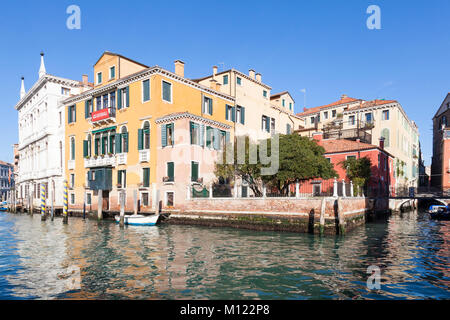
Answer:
(139, 220)
(436, 208)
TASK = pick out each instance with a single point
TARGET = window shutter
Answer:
(226, 112)
(125, 136)
(191, 130)
(74, 113)
(140, 139)
(164, 135)
(202, 135)
(111, 139)
(119, 177)
(96, 146)
(146, 90)
(242, 115)
(86, 109)
(267, 124)
(118, 143)
(146, 177)
(288, 128)
(216, 139)
(227, 137)
(103, 145)
(119, 99)
(194, 171)
(128, 97)
(69, 114)
(210, 106)
(172, 125)
(73, 149)
(170, 171)
(233, 114)
(85, 148)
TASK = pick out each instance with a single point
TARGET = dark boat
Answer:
(442, 213)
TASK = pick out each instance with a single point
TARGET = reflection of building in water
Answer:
(41, 259)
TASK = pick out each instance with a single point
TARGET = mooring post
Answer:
(297, 190)
(322, 216)
(135, 204)
(84, 204)
(65, 203)
(157, 200)
(341, 217)
(31, 205)
(52, 194)
(122, 208)
(42, 202)
(100, 205)
(343, 188)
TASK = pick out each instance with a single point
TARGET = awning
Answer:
(104, 129)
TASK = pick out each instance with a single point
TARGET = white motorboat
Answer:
(139, 220)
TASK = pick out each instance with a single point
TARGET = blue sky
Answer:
(323, 46)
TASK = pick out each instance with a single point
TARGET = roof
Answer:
(5, 163)
(370, 104)
(274, 96)
(343, 100)
(343, 145)
(238, 72)
(121, 56)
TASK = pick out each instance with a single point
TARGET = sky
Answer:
(324, 47)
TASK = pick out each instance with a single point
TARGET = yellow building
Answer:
(142, 130)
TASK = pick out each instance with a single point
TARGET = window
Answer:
(60, 118)
(329, 160)
(325, 115)
(144, 196)
(288, 128)
(124, 140)
(167, 135)
(207, 105)
(121, 178)
(123, 98)
(146, 177)
(290, 106)
(265, 93)
(105, 101)
(112, 100)
(169, 199)
(72, 198)
(351, 120)
(385, 115)
(99, 103)
(145, 90)
(167, 91)
(225, 79)
(240, 114)
(333, 113)
(144, 137)
(238, 81)
(170, 172)
(65, 91)
(88, 198)
(368, 117)
(230, 113)
(195, 133)
(72, 148)
(272, 125)
(112, 72)
(265, 123)
(72, 114)
(99, 78)
(385, 134)
(194, 171)
(72, 180)
(104, 144)
(313, 120)
(283, 103)
(88, 108)
(351, 157)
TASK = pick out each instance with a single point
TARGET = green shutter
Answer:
(146, 90)
(85, 148)
(119, 99)
(73, 149)
(226, 112)
(170, 171)
(69, 114)
(128, 96)
(227, 137)
(74, 113)
(242, 115)
(146, 178)
(172, 126)
(118, 143)
(164, 135)
(194, 171)
(267, 124)
(208, 136)
(125, 137)
(210, 106)
(140, 139)
(191, 129)
(111, 139)
(216, 139)
(233, 114)
(202, 135)
(103, 145)
(119, 177)
(96, 146)
(86, 109)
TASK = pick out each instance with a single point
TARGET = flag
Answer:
(303, 90)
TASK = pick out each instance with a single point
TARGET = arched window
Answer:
(385, 134)
(72, 148)
(146, 134)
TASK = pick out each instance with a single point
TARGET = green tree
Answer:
(358, 170)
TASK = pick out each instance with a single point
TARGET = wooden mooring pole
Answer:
(322, 216)
(100, 205)
(122, 208)
(135, 204)
(341, 217)
(66, 208)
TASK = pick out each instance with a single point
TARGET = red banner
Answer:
(100, 115)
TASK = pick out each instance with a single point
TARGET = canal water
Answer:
(98, 260)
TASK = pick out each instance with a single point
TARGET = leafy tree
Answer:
(358, 170)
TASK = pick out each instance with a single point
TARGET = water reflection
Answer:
(182, 262)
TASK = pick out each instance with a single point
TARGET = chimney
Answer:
(214, 72)
(85, 79)
(212, 84)
(251, 74)
(318, 136)
(344, 96)
(218, 86)
(382, 143)
(42, 70)
(304, 109)
(179, 68)
(258, 77)
(22, 88)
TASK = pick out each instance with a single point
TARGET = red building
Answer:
(336, 151)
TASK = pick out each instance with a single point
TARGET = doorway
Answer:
(105, 198)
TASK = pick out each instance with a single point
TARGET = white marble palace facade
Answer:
(41, 137)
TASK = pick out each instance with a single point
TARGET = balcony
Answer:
(122, 158)
(144, 155)
(100, 161)
(103, 116)
(349, 134)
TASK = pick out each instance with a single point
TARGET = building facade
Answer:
(6, 181)
(41, 137)
(440, 163)
(147, 131)
(368, 121)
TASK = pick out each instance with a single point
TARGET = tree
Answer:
(358, 170)
(299, 159)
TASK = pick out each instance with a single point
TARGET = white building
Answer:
(41, 136)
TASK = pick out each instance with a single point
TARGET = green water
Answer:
(183, 262)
